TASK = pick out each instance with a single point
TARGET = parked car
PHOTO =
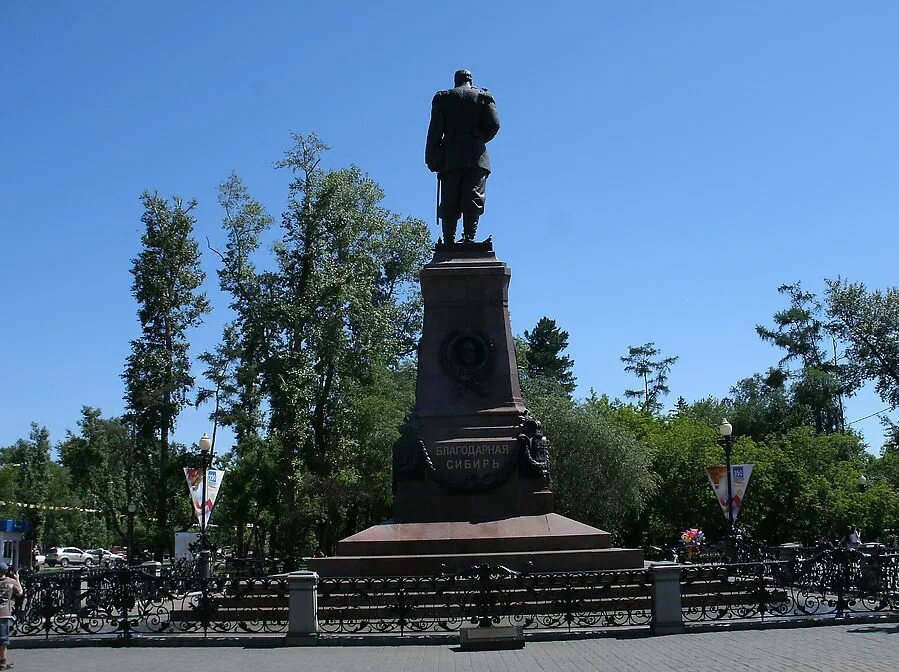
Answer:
(69, 555)
(101, 555)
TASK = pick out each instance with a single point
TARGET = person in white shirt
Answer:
(9, 588)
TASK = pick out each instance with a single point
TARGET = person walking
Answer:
(10, 588)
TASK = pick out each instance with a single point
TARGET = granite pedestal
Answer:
(470, 471)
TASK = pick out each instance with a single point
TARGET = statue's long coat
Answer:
(463, 121)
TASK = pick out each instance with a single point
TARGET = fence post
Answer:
(667, 617)
(303, 604)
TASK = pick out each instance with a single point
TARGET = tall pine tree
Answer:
(541, 351)
(167, 279)
(819, 382)
(234, 369)
(645, 362)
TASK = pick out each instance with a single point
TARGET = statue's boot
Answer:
(469, 228)
(449, 231)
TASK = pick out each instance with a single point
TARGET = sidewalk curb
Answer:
(271, 641)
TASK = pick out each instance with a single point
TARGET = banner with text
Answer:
(194, 476)
(740, 474)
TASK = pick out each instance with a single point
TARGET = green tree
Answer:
(868, 321)
(234, 367)
(103, 464)
(600, 471)
(28, 461)
(804, 485)
(314, 371)
(167, 279)
(540, 355)
(762, 405)
(820, 383)
(681, 447)
(70, 518)
(887, 467)
(347, 305)
(645, 363)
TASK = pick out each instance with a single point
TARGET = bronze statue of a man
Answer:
(463, 121)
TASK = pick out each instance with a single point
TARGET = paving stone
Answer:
(833, 648)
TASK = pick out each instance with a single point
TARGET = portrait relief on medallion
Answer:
(468, 358)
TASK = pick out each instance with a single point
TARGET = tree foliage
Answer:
(312, 371)
(600, 472)
(30, 477)
(762, 405)
(810, 359)
(540, 355)
(167, 280)
(868, 321)
(645, 362)
(106, 468)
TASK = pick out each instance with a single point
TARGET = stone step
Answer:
(521, 534)
(429, 565)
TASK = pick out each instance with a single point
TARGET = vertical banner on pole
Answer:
(194, 476)
(740, 474)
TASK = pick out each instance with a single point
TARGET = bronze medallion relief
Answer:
(468, 358)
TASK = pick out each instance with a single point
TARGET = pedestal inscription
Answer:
(473, 465)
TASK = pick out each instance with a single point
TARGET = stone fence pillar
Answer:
(303, 603)
(667, 617)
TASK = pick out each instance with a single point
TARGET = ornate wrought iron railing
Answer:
(484, 595)
(831, 582)
(123, 602)
(127, 601)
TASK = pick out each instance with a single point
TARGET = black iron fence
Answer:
(484, 595)
(126, 601)
(813, 583)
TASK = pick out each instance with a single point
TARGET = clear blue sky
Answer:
(661, 169)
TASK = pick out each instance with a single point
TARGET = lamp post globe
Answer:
(725, 428)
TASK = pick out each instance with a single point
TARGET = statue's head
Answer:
(461, 76)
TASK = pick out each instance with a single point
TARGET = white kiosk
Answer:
(11, 534)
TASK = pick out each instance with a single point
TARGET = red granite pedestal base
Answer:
(546, 543)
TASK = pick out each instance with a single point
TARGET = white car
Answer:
(104, 556)
(68, 555)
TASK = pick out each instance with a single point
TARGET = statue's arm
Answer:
(490, 117)
(434, 144)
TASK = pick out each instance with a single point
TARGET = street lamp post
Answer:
(206, 454)
(727, 441)
(132, 509)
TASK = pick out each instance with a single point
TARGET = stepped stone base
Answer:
(545, 543)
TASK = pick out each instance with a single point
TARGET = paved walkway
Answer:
(843, 648)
